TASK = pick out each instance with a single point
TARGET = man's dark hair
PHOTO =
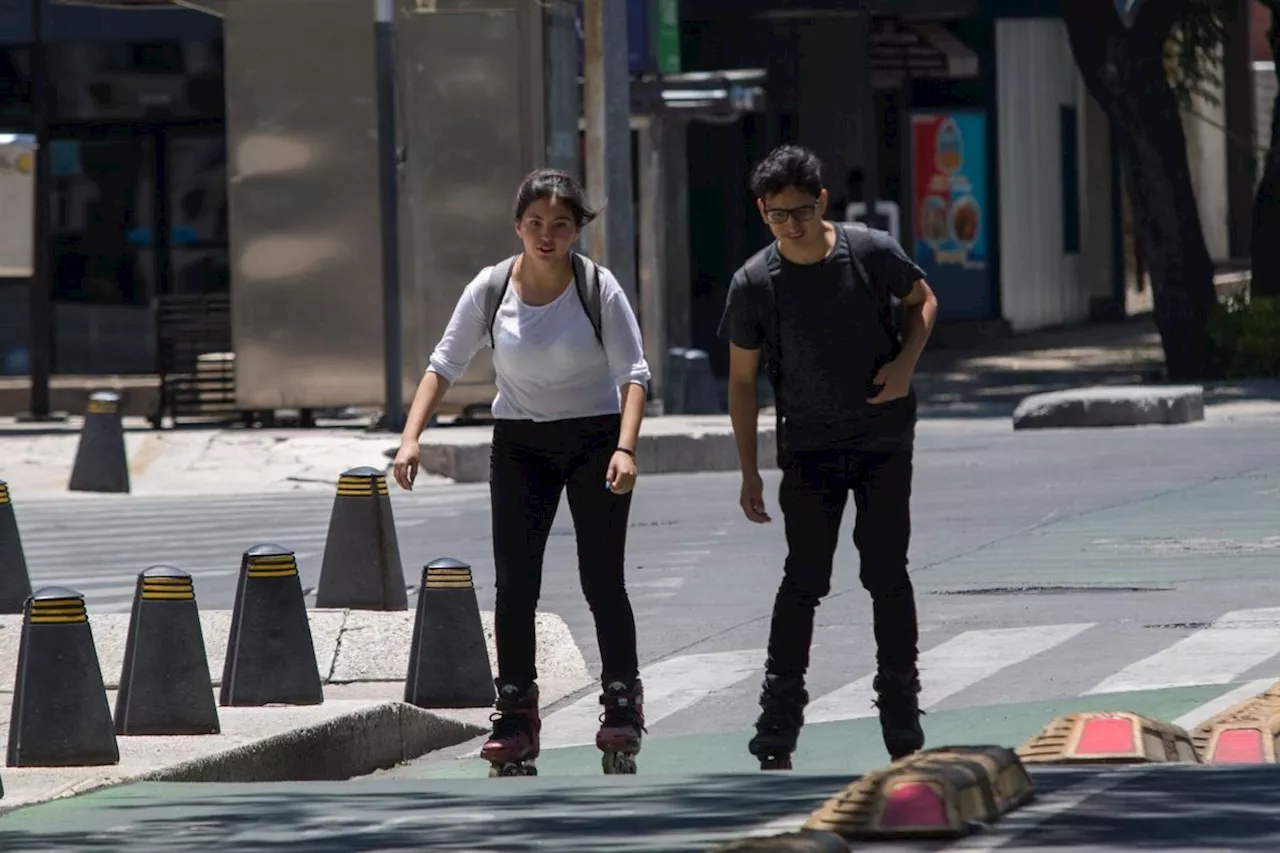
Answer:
(788, 166)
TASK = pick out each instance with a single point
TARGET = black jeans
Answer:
(814, 491)
(530, 465)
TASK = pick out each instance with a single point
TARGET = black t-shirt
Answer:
(832, 339)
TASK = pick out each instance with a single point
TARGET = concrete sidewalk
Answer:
(363, 725)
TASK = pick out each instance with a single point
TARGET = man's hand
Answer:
(895, 379)
(752, 499)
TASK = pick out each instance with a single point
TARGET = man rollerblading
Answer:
(514, 744)
(815, 305)
(621, 727)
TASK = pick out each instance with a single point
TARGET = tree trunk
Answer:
(1266, 204)
(1124, 70)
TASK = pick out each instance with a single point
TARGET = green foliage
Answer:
(1193, 47)
(1246, 338)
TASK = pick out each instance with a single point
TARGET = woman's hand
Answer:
(406, 464)
(622, 473)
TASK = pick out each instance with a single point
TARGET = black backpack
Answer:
(760, 281)
(586, 281)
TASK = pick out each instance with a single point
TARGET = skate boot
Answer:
(897, 695)
(621, 726)
(782, 703)
(514, 745)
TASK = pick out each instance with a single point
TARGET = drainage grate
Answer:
(1049, 590)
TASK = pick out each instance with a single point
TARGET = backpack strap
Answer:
(495, 290)
(759, 278)
(586, 279)
(859, 235)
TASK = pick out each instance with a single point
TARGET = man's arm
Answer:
(744, 407)
(922, 311)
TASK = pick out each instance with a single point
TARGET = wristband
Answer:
(630, 453)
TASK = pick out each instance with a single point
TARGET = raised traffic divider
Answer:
(15, 583)
(938, 793)
(1245, 733)
(361, 568)
(60, 715)
(1109, 737)
(101, 462)
(271, 658)
(165, 687)
(448, 658)
(804, 841)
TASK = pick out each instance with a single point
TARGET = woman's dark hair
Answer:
(788, 166)
(555, 185)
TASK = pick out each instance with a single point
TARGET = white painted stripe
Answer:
(1200, 715)
(945, 670)
(670, 686)
(1019, 822)
(188, 529)
(657, 583)
(1220, 654)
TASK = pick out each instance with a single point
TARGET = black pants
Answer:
(814, 491)
(530, 465)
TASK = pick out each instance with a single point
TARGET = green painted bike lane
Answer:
(847, 746)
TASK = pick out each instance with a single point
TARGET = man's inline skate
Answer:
(897, 700)
(514, 744)
(782, 703)
(621, 727)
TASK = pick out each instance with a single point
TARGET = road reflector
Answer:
(938, 793)
(1109, 737)
(1247, 733)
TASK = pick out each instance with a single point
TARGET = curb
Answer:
(1111, 406)
(670, 453)
(350, 744)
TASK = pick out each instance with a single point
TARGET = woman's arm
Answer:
(624, 349)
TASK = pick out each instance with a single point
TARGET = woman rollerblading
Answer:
(571, 378)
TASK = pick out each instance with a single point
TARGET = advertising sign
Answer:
(949, 210)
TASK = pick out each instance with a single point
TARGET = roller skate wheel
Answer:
(775, 762)
(618, 764)
(513, 768)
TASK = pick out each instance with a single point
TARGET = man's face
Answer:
(793, 214)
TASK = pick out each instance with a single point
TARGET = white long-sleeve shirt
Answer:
(548, 363)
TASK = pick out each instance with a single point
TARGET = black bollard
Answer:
(448, 659)
(361, 568)
(271, 658)
(15, 582)
(165, 687)
(101, 465)
(60, 715)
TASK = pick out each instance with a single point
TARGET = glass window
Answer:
(96, 81)
(198, 214)
(102, 220)
(17, 203)
(15, 82)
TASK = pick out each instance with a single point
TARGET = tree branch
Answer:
(1094, 28)
(1155, 18)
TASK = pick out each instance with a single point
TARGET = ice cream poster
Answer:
(950, 223)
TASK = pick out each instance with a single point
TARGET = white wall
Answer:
(1040, 285)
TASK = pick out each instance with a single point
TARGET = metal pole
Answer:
(560, 64)
(393, 417)
(867, 120)
(40, 345)
(607, 84)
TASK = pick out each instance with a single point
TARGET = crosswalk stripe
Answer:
(1201, 714)
(670, 686)
(960, 662)
(1219, 654)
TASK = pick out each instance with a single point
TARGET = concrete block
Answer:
(1107, 406)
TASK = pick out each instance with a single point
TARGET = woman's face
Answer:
(547, 229)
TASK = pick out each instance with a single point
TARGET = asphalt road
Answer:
(1129, 569)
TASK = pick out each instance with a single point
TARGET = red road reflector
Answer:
(1111, 738)
(939, 793)
(1244, 742)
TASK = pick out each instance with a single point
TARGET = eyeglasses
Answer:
(779, 215)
